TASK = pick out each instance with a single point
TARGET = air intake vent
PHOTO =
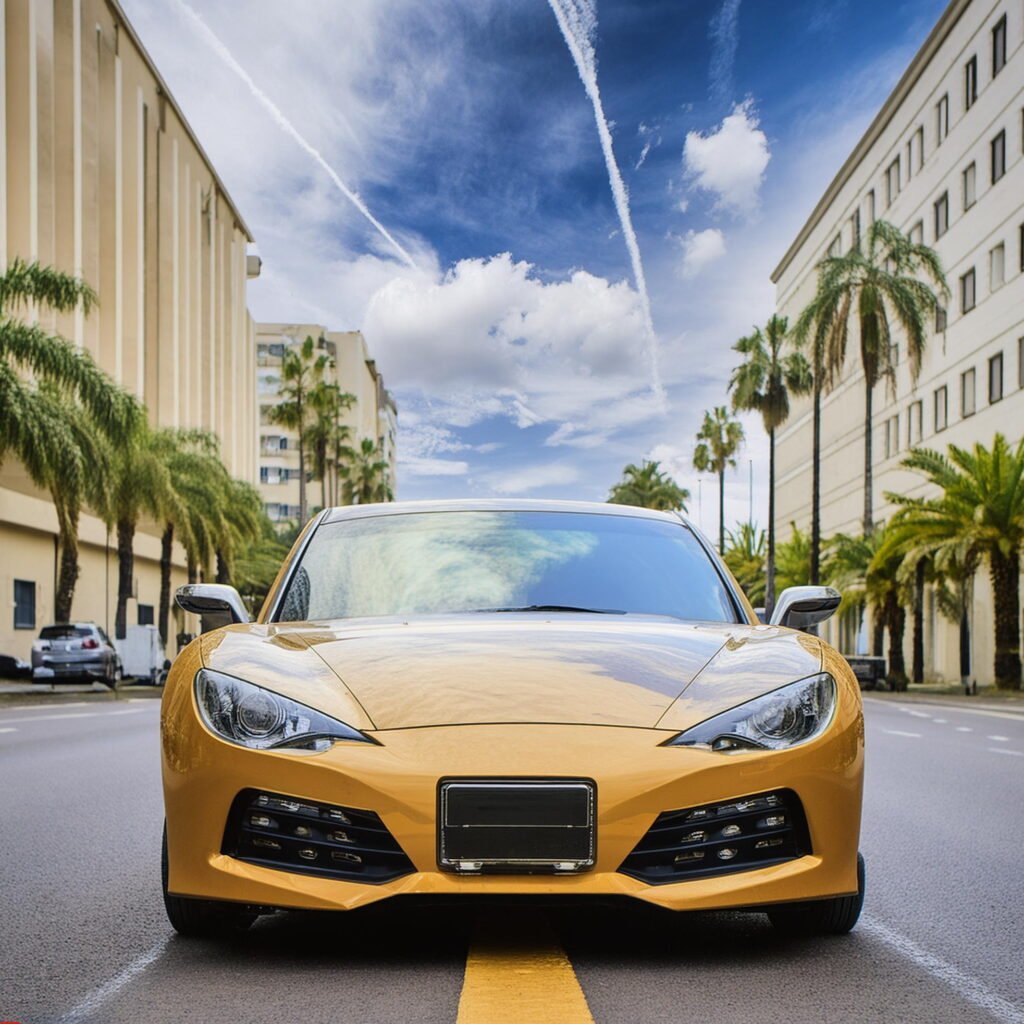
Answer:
(714, 839)
(295, 834)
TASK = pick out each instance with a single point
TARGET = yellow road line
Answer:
(516, 972)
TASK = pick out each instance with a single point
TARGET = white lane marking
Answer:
(9, 729)
(74, 714)
(898, 732)
(104, 993)
(950, 710)
(964, 728)
(917, 714)
(998, 739)
(1003, 750)
(941, 721)
(963, 984)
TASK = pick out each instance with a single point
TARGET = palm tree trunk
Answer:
(302, 480)
(1005, 574)
(897, 619)
(769, 593)
(125, 569)
(223, 572)
(869, 523)
(192, 568)
(67, 574)
(918, 669)
(166, 547)
(877, 631)
(815, 569)
(965, 640)
(323, 486)
(721, 511)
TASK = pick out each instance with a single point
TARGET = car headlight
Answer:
(783, 718)
(253, 717)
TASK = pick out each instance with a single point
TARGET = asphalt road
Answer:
(84, 939)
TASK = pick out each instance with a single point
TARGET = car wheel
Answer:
(114, 675)
(202, 918)
(822, 917)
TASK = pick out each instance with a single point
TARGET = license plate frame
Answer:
(516, 825)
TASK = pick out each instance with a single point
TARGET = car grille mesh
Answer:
(712, 839)
(295, 834)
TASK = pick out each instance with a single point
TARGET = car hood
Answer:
(634, 671)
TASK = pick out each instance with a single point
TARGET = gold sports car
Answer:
(533, 698)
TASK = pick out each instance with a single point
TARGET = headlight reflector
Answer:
(263, 720)
(783, 718)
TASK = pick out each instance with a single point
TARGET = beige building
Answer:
(101, 176)
(944, 161)
(372, 415)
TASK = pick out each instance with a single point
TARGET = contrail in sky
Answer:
(724, 37)
(578, 21)
(225, 55)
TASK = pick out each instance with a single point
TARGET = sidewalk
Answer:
(1009, 702)
(14, 692)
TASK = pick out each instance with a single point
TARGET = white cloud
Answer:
(730, 162)
(699, 249)
(417, 466)
(724, 38)
(533, 478)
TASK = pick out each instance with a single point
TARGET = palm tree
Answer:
(197, 478)
(56, 406)
(762, 383)
(877, 287)
(977, 517)
(365, 474)
(793, 560)
(326, 434)
(301, 370)
(744, 555)
(242, 524)
(648, 486)
(718, 441)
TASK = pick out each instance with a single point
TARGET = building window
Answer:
(997, 267)
(998, 148)
(970, 177)
(919, 146)
(941, 319)
(967, 291)
(871, 207)
(941, 119)
(915, 418)
(892, 182)
(917, 233)
(855, 228)
(892, 436)
(967, 393)
(970, 82)
(999, 46)
(836, 248)
(1020, 232)
(941, 408)
(995, 378)
(894, 355)
(145, 615)
(24, 604)
(942, 215)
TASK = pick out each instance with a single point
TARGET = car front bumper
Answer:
(637, 779)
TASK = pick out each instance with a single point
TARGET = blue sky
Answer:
(516, 343)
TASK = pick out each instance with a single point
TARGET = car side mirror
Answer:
(215, 603)
(800, 607)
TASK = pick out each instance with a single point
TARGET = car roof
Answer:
(392, 508)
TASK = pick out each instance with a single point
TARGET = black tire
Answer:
(822, 917)
(115, 675)
(202, 918)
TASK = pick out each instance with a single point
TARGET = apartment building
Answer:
(944, 161)
(101, 176)
(373, 413)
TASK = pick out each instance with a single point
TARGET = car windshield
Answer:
(63, 632)
(439, 562)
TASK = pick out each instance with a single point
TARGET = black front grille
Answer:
(713, 839)
(296, 834)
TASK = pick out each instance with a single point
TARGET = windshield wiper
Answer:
(556, 608)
